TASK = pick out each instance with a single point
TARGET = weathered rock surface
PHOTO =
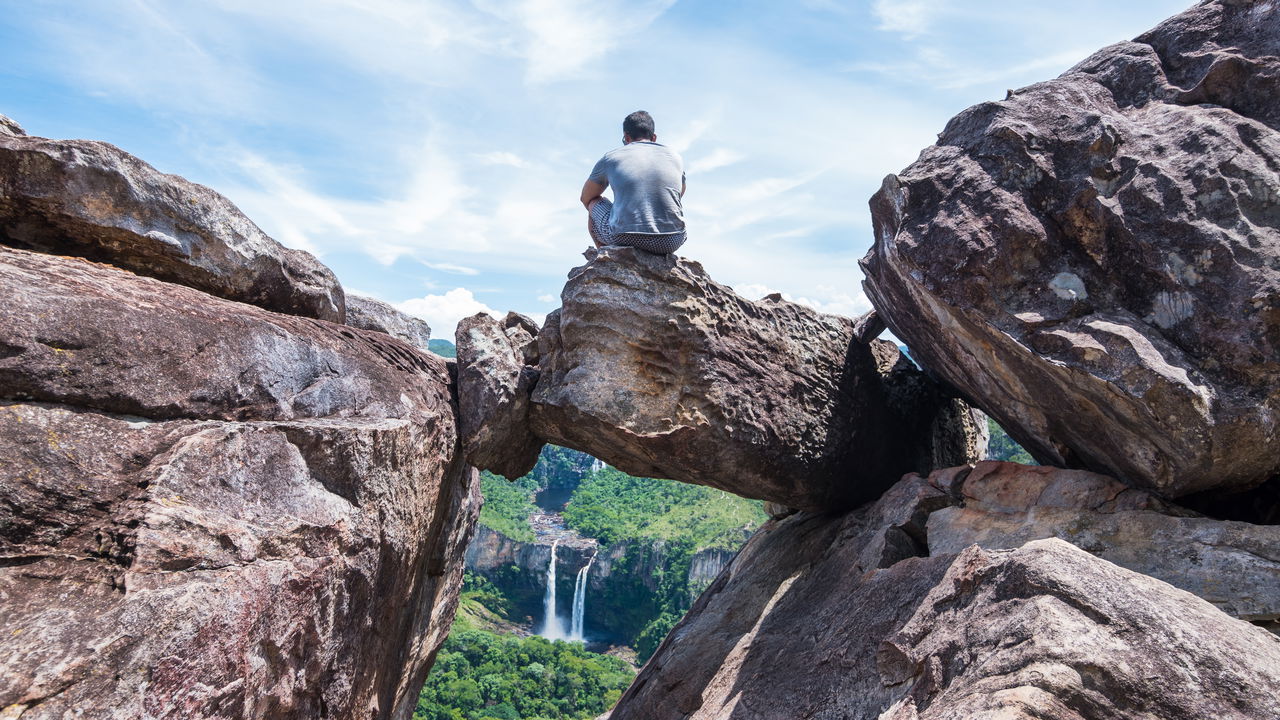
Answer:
(88, 198)
(9, 127)
(367, 313)
(1234, 565)
(1047, 631)
(841, 616)
(658, 370)
(496, 375)
(208, 510)
(1095, 260)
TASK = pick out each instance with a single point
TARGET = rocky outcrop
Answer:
(661, 372)
(1047, 631)
(850, 615)
(1234, 565)
(212, 510)
(1095, 260)
(9, 127)
(496, 374)
(367, 313)
(87, 198)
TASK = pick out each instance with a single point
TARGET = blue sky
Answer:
(431, 152)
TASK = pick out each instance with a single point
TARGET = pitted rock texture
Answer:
(367, 313)
(661, 372)
(209, 510)
(1095, 260)
(88, 198)
(496, 375)
(831, 617)
(1234, 565)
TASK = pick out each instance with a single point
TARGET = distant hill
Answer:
(443, 348)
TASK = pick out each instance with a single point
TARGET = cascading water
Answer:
(552, 628)
(580, 602)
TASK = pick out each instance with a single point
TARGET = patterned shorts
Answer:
(657, 244)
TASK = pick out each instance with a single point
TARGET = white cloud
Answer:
(501, 158)
(832, 301)
(720, 157)
(442, 312)
(389, 129)
(452, 268)
(558, 38)
(910, 17)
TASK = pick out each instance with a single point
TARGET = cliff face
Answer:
(621, 574)
(207, 509)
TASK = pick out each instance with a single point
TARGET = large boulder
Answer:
(1234, 565)
(1095, 261)
(209, 510)
(660, 371)
(831, 616)
(92, 199)
(496, 375)
(367, 313)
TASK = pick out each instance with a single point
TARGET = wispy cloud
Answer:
(452, 268)
(718, 158)
(910, 17)
(558, 38)
(501, 158)
(411, 143)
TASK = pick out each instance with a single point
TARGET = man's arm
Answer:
(590, 191)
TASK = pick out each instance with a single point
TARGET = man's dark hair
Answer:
(638, 125)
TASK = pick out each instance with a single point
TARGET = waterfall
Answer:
(552, 628)
(597, 464)
(580, 601)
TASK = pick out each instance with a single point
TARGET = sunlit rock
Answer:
(210, 510)
(92, 199)
(660, 371)
(1095, 260)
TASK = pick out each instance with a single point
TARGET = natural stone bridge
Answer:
(222, 498)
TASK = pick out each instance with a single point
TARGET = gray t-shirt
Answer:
(646, 178)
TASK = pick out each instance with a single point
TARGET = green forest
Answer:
(480, 674)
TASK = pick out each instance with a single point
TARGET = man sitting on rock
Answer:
(648, 182)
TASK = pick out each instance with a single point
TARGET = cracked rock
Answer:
(1095, 261)
(92, 199)
(209, 510)
(658, 370)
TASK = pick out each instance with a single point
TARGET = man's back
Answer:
(647, 180)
